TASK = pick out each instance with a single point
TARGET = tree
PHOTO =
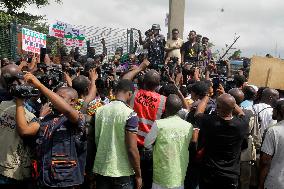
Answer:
(13, 11)
(9, 12)
(236, 55)
(13, 6)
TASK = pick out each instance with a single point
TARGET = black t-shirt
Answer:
(190, 52)
(222, 145)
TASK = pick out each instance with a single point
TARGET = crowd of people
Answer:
(170, 118)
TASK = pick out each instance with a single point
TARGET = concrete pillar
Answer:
(176, 16)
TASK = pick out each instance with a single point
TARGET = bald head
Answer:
(11, 69)
(173, 105)
(152, 80)
(225, 105)
(8, 73)
(67, 93)
(269, 96)
(237, 94)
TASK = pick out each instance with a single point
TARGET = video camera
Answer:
(24, 91)
(52, 76)
(20, 90)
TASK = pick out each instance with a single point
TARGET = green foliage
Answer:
(13, 6)
(13, 11)
(236, 55)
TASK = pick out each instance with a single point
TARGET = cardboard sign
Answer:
(70, 35)
(32, 41)
(267, 72)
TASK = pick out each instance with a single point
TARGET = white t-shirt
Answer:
(273, 145)
(265, 112)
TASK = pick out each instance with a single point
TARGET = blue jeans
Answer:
(103, 182)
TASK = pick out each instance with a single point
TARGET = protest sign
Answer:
(71, 36)
(267, 72)
(32, 41)
(57, 29)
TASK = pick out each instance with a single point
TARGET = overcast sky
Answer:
(260, 23)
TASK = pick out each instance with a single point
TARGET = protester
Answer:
(250, 95)
(272, 154)
(113, 107)
(149, 107)
(171, 137)
(224, 134)
(264, 109)
(189, 50)
(116, 141)
(173, 46)
(248, 155)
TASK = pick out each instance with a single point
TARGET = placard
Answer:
(32, 41)
(71, 36)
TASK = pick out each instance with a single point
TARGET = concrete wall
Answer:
(176, 16)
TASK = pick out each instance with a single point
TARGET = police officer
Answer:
(155, 44)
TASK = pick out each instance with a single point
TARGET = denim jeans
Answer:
(104, 182)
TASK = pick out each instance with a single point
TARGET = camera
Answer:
(222, 67)
(24, 91)
(52, 77)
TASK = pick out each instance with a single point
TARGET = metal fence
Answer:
(8, 41)
(114, 38)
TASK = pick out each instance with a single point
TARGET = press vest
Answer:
(149, 107)
(170, 153)
(112, 157)
(62, 152)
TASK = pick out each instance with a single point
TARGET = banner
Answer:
(32, 41)
(70, 35)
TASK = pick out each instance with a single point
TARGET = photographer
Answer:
(15, 153)
(60, 137)
(173, 46)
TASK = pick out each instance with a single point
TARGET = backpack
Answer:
(249, 153)
(256, 130)
(61, 152)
